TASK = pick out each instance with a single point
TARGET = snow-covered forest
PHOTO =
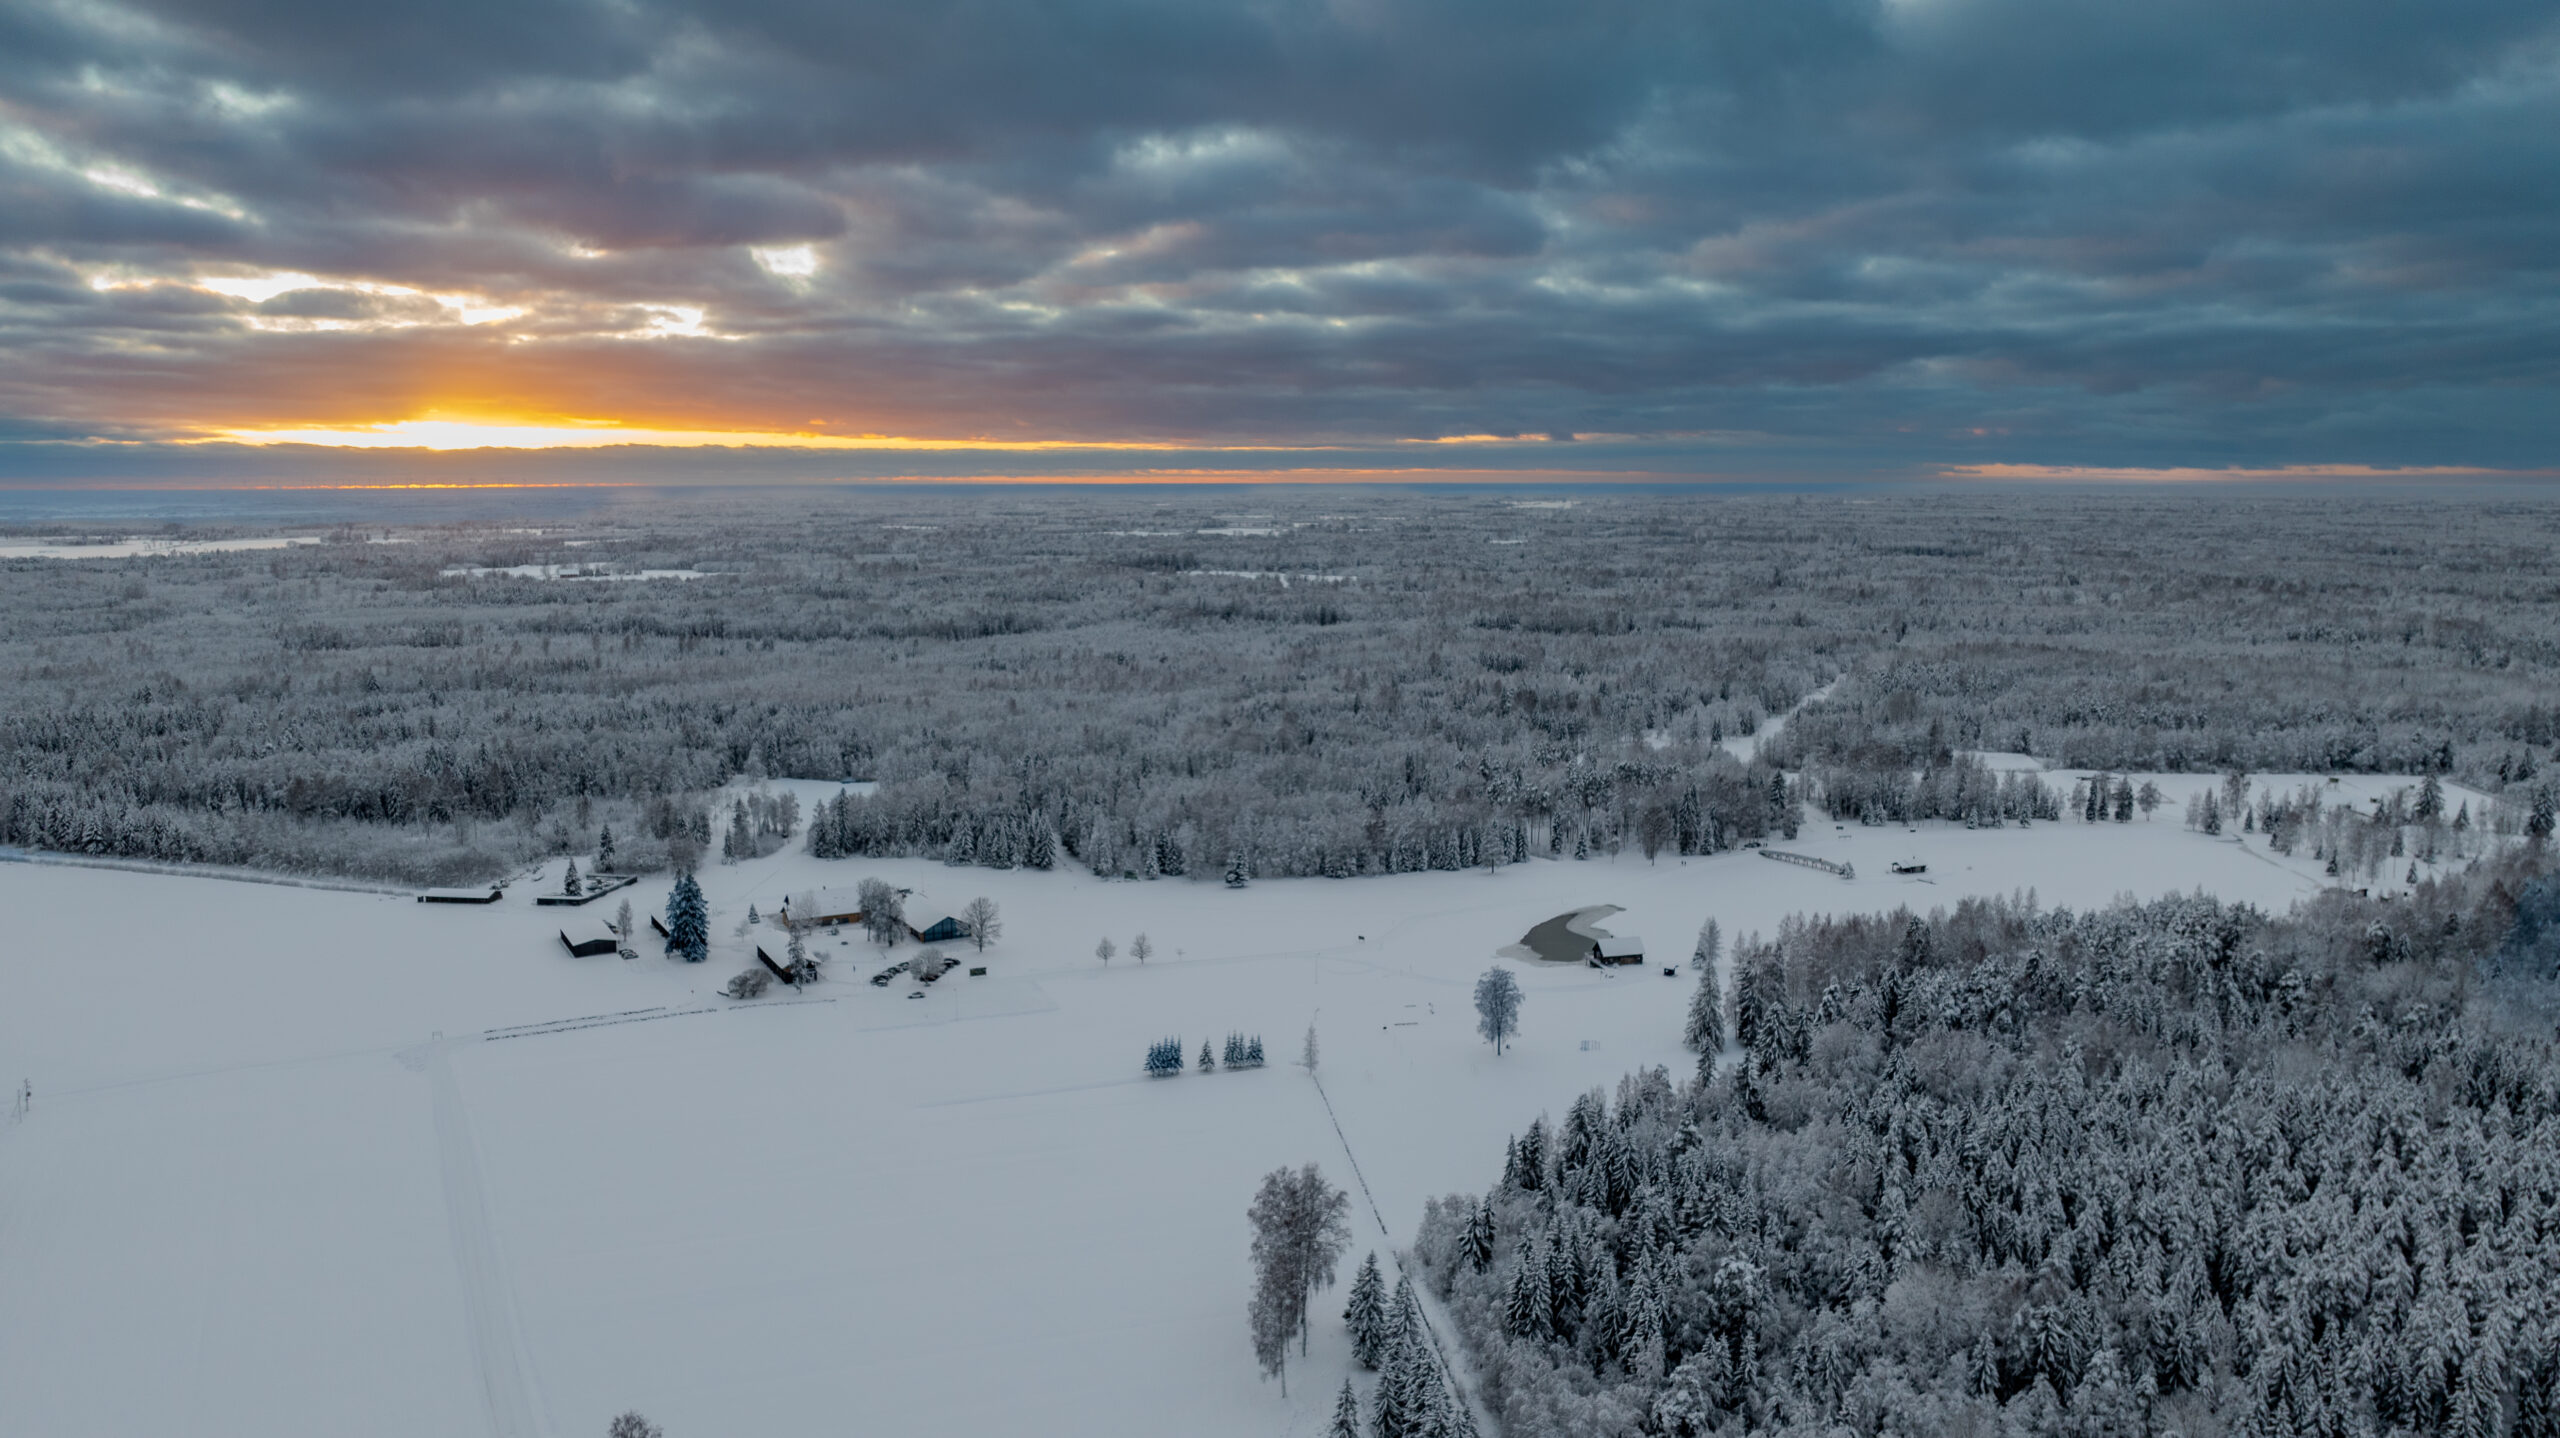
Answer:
(2177, 1166)
(1329, 684)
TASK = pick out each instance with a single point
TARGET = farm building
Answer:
(929, 921)
(586, 940)
(1619, 949)
(824, 906)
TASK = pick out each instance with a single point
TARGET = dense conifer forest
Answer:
(1331, 683)
(2171, 1167)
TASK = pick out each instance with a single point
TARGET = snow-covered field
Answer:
(286, 1172)
(139, 546)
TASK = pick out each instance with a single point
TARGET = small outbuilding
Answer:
(588, 940)
(462, 896)
(1618, 949)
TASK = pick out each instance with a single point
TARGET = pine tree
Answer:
(1253, 1052)
(1710, 947)
(1235, 871)
(604, 849)
(1208, 1062)
(1366, 1314)
(688, 921)
(569, 884)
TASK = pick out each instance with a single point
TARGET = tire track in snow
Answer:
(497, 1339)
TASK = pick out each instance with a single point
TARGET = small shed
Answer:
(766, 959)
(587, 940)
(462, 896)
(1618, 949)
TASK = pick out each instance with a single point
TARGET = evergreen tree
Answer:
(604, 848)
(1704, 1033)
(1208, 1062)
(569, 884)
(1709, 948)
(1366, 1314)
(1346, 1414)
(1480, 1234)
(688, 921)
(1235, 871)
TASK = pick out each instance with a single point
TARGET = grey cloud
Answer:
(1939, 227)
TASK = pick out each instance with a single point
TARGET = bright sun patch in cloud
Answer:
(790, 262)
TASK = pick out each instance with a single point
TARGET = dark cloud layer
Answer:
(1726, 234)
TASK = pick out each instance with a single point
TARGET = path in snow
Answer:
(1453, 1356)
(1746, 747)
(497, 1340)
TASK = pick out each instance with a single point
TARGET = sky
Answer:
(511, 241)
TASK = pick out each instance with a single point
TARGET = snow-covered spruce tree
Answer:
(1208, 1062)
(604, 848)
(688, 921)
(1365, 1316)
(569, 882)
(1253, 1052)
(1164, 1057)
(632, 1425)
(1709, 948)
(1704, 1031)
(1346, 1414)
